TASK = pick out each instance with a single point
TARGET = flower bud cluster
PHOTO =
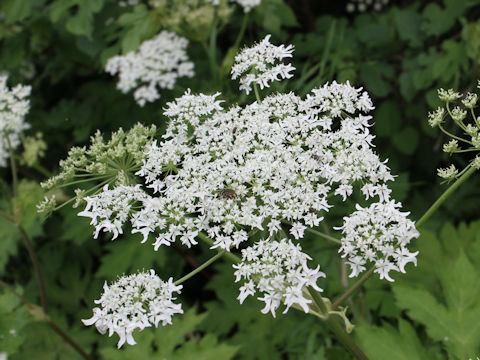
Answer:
(135, 302)
(378, 234)
(470, 140)
(14, 105)
(157, 64)
(113, 159)
(278, 270)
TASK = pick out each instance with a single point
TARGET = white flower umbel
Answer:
(157, 64)
(14, 105)
(228, 171)
(110, 208)
(248, 5)
(135, 302)
(261, 64)
(378, 234)
(279, 271)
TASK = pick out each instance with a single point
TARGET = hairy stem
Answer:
(353, 288)
(336, 328)
(444, 196)
(257, 93)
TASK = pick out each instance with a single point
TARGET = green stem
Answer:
(444, 196)
(54, 326)
(209, 242)
(201, 267)
(336, 328)
(352, 289)
(212, 53)
(326, 51)
(453, 136)
(257, 94)
(325, 236)
(242, 31)
(13, 167)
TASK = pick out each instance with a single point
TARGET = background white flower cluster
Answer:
(158, 63)
(261, 64)
(14, 105)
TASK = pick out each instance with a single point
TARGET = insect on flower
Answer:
(227, 194)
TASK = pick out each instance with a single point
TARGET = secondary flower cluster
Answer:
(470, 141)
(258, 64)
(279, 270)
(158, 63)
(14, 105)
(135, 302)
(379, 234)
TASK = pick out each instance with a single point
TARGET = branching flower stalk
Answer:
(220, 174)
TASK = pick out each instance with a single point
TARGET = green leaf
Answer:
(454, 321)
(139, 25)
(9, 240)
(170, 342)
(408, 26)
(13, 318)
(128, 255)
(16, 10)
(452, 60)
(375, 78)
(380, 343)
(79, 14)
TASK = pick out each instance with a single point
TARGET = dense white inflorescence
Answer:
(378, 234)
(157, 64)
(110, 208)
(278, 270)
(135, 302)
(228, 171)
(14, 105)
(261, 64)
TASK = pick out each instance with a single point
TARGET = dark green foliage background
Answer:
(400, 55)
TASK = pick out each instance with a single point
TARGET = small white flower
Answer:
(279, 271)
(448, 95)
(259, 64)
(379, 233)
(435, 118)
(135, 302)
(248, 4)
(14, 105)
(158, 63)
(449, 173)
